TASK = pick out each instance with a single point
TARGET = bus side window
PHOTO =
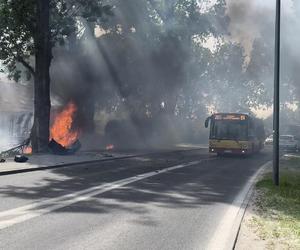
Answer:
(251, 129)
(260, 131)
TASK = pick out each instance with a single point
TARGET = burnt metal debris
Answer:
(15, 150)
(56, 148)
(21, 158)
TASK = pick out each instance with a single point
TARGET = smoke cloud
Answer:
(15, 112)
(143, 81)
(252, 24)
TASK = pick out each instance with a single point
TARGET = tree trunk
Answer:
(40, 130)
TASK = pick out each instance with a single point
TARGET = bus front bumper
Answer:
(229, 151)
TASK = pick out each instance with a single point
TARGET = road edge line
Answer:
(247, 199)
(237, 210)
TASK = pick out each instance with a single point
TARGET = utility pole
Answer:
(276, 96)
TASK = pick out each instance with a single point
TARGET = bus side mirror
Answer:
(207, 122)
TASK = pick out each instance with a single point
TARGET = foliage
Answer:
(278, 218)
(158, 45)
(18, 26)
(148, 62)
(152, 44)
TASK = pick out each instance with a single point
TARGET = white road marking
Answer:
(17, 215)
(225, 234)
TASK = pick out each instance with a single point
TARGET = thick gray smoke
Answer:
(15, 113)
(252, 23)
(255, 19)
(146, 79)
(131, 79)
(246, 20)
(128, 77)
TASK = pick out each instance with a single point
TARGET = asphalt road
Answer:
(116, 205)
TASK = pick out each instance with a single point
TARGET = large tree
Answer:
(42, 103)
(151, 46)
(29, 29)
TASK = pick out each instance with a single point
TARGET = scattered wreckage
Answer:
(54, 148)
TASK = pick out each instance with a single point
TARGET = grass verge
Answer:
(277, 215)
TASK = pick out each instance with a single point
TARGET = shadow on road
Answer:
(214, 181)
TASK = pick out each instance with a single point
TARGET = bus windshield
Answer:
(229, 130)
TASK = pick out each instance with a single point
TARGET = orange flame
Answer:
(61, 130)
(110, 147)
(27, 150)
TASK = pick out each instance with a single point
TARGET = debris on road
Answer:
(56, 148)
(21, 158)
(16, 150)
(106, 155)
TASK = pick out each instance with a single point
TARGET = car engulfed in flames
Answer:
(62, 129)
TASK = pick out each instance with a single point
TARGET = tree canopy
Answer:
(18, 28)
(147, 60)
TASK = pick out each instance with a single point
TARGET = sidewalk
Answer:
(272, 218)
(48, 161)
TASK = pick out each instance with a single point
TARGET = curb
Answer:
(243, 208)
(19, 171)
(227, 231)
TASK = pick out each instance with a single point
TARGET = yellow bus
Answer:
(235, 133)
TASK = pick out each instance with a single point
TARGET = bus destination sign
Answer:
(235, 117)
